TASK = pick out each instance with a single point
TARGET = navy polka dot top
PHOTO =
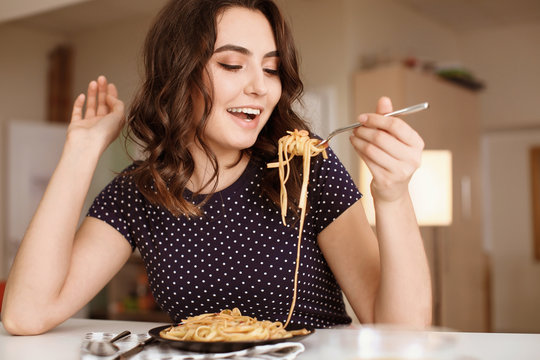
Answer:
(239, 253)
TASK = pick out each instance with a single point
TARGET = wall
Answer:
(23, 71)
(13, 9)
(507, 59)
(113, 51)
(509, 230)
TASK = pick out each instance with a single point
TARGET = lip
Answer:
(249, 125)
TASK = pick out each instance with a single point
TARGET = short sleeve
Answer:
(119, 205)
(332, 190)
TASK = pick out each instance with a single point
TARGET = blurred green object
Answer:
(130, 303)
(461, 77)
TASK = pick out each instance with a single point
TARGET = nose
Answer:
(256, 84)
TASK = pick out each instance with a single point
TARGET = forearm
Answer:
(404, 294)
(43, 259)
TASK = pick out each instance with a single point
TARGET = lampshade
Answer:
(430, 189)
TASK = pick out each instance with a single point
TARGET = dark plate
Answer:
(223, 346)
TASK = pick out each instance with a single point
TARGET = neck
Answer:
(230, 169)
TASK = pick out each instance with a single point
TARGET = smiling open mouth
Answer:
(245, 113)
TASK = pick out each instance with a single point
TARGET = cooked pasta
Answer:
(227, 325)
(296, 143)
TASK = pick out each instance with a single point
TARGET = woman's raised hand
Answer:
(52, 244)
(100, 122)
(391, 149)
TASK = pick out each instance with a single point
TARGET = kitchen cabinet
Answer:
(456, 253)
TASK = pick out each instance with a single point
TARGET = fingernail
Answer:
(363, 118)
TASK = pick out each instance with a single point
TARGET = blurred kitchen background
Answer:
(475, 61)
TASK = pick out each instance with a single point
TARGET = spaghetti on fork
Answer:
(296, 143)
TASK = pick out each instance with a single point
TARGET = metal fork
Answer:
(404, 111)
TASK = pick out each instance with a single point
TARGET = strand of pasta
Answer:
(296, 143)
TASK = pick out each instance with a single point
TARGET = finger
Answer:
(384, 141)
(376, 171)
(374, 154)
(91, 99)
(384, 168)
(78, 105)
(384, 105)
(115, 104)
(111, 90)
(102, 108)
(396, 127)
(116, 114)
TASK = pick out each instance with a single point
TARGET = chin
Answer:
(245, 145)
(246, 141)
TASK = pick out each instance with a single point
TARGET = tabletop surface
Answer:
(64, 342)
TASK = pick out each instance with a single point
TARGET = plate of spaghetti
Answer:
(226, 331)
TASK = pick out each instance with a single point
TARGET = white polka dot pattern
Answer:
(239, 254)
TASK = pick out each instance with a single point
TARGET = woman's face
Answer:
(245, 78)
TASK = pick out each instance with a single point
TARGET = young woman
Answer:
(202, 207)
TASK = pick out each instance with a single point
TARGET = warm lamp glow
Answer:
(430, 189)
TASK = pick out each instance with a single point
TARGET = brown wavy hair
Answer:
(161, 119)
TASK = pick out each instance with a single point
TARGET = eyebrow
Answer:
(242, 50)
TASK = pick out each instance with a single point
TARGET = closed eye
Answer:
(271, 71)
(230, 67)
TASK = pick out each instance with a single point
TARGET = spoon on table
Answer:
(404, 111)
(105, 348)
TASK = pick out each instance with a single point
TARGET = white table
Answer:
(64, 342)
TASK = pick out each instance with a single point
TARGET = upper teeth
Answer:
(245, 110)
